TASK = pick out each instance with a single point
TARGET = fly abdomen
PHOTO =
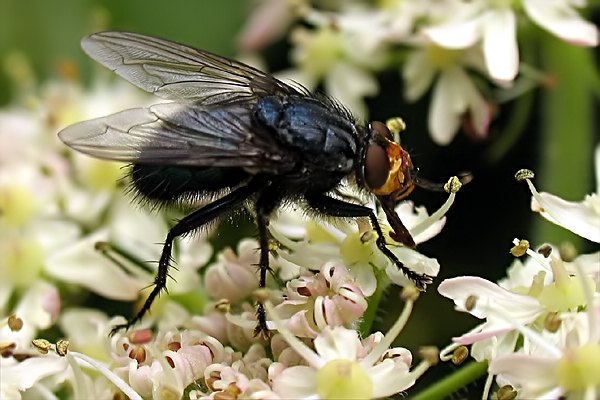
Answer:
(172, 183)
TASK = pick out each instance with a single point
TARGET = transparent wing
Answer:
(179, 134)
(177, 72)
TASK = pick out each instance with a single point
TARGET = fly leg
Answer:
(186, 225)
(339, 208)
(266, 203)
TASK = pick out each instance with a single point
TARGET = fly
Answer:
(239, 136)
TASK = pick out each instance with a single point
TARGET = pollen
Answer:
(523, 174)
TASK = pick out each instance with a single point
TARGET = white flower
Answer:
(343, 366)
(562, 364)
(454, 97)
(581, 218)
(549, 308)
(494, 24)
(308, 243)
(341, 59)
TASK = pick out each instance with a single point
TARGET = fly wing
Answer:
(177, 72)
(180, 134)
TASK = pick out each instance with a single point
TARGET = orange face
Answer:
(387, 165)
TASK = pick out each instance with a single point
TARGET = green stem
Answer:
(366, 323)
(454, 382)
(567, 129)
(514, 128)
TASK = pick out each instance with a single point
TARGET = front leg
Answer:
(339, 208)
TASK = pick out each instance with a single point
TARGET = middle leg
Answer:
(339, 208)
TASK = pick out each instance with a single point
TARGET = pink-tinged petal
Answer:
(266, 24)
(561, 20)
(581, 218)
(496, 346)
(40, 305)
(298, 324)
(454, 96)
(536, 375)
(487, 331)
(522, 308)
(500, 44)
(479, 112)
(456, 35)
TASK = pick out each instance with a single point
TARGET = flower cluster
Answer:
(541, 329)
(445, 45)
(68, 230)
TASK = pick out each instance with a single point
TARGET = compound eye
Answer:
(381, 129)
(377, 166)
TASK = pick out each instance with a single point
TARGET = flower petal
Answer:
(455, 35)
(500, 44)
(581, 218)
(297, 382)
(337, 343)
(418, 74)
(536, 375)
(390, 377)
(26, 373)
(489, 296)
(561, 20)
(82, 265)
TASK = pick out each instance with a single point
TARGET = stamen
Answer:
(433, 218)
(460, 355)
(520, 249)
(387, 340)
(82, 359)
(15, 323)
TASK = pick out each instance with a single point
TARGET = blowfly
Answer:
(239, 137)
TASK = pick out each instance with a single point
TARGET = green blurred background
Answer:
(554, 134)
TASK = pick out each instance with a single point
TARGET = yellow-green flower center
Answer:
(315, 233)
(322, 51)
(343, 379)
(566, 293)
(23, 261)
(101, 175)
(17, 206)
(355, 251)
(579, 369)
(442, 57)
